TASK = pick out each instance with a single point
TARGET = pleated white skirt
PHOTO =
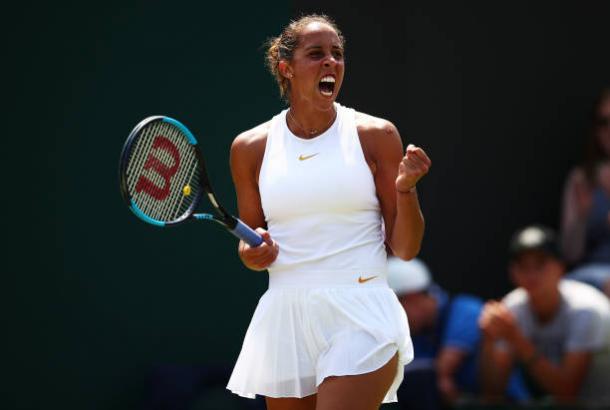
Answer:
(303, 332)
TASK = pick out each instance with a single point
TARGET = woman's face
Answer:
(317, 66)
(602, 129)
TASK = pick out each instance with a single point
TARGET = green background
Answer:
(98, 298)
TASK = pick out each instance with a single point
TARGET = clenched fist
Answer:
(414, 165)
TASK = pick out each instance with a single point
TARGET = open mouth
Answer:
(327, 85)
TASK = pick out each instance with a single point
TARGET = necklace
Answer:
(313, 132)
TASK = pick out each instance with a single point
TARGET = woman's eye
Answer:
(319, 54)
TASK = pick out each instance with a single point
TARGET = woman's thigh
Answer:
(358, 392)
(291, 403)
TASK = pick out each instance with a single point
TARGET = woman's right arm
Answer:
(576, 204)
(246, 157)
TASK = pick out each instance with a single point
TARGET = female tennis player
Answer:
(326, 187)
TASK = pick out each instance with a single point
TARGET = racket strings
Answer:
(168, 209)
(191, 178)
(165, 209)
(175, 203)
(142, 151)
(174, 206)
(138, 156)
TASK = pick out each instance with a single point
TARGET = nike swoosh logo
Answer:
(304, 157)
(362, 280)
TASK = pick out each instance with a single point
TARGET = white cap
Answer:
(408, 276)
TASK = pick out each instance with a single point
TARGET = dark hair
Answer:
(594, 153)
(282, 47)
(531, 238)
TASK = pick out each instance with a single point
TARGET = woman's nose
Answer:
(329, 61)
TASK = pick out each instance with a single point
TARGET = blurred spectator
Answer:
(585, 224)
(557, 330)
(446, 340)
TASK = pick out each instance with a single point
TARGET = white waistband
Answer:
(328, 279)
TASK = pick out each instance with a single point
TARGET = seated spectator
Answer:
(557, 331)
(585, 222)
(446, 340)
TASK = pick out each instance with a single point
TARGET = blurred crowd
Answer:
(548, 339)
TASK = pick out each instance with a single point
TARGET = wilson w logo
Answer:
(162, 169)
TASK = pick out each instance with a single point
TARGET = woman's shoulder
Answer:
(248, 148)
(378, 136)
(370, 124)
(252, 140)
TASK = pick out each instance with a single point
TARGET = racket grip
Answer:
(247, 234)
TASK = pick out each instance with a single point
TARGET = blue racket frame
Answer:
(230, 222)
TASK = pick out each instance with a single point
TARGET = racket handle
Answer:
(247, 234)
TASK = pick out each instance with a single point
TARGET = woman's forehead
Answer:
(317, 33)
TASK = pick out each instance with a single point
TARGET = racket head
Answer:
(161, 171)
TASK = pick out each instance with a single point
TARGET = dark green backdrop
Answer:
(98, 298)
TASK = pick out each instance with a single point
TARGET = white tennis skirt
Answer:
(309, 326)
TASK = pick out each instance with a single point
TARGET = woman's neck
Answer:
(307, 121)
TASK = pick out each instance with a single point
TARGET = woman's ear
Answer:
(285, 69)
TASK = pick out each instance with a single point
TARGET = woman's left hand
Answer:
(414, 165)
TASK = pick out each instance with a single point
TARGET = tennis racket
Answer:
(163, 177)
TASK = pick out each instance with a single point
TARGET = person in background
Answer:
(446, 340)
(585, 222)
(557, 331)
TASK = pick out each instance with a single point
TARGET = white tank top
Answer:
(319, 200)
